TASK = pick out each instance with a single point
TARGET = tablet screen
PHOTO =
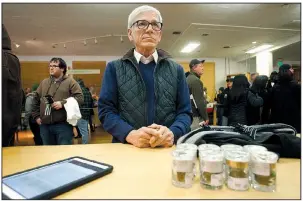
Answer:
(38, 181)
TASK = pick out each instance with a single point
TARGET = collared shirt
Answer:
(139, 57)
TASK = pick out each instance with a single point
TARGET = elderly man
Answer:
(144, 99)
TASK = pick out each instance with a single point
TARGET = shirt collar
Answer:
(139, 57)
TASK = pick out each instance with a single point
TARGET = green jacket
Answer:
(195, 86)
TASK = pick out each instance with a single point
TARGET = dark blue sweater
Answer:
(108, 103)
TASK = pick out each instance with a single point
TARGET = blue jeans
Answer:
(56, 134)
(82, 124)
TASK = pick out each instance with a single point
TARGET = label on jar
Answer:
(216, 179)
(240, 184)
(212, 166)
(183, 166)
(261, 169)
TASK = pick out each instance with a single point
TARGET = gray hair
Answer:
(139, 10)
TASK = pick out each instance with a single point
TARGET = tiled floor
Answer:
(25, 138)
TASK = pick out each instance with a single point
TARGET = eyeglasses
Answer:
(143, 24)
(50, 66)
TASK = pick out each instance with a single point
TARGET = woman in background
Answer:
(238, 99)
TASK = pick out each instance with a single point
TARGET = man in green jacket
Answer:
(196, 91)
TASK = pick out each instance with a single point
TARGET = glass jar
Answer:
(264, 171)
(252, 149)
(211, 169)
(237, 170)
(183, 165)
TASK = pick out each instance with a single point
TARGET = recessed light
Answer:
(17, 45)
(176, 32)
(205, 34)
(226, 47)
(254, 42)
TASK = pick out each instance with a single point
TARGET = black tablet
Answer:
(53, 179)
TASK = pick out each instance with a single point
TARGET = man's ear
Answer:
(129, 34)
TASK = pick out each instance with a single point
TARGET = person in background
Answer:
(238, 99)
(220, 106)
(197, 94)
(252, 78)
(285, 99)
(139, 103)
(229, 84)
(11, 91)
(29, 120)
(27, 91)
(50, 97)
(85, 110)
(256, 114)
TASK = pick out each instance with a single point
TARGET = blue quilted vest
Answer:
(132, 103)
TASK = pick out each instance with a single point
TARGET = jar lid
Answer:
(237, 156)
(204, 147)
(187, 146)
(231, 147)
(254, 148)
(211, 155)
(265, 157)
(183, 154)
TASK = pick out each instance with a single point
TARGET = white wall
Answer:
(223, 67)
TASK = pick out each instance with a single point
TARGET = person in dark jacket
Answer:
(28, 119)
(238, 99)
(258, 88)
(11, 91)
(229, 84)
(220, 105)
(285, 99)
(196, 90)
(144, 99)
(85, 110)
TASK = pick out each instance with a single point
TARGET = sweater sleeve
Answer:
(108, 106)
(183, 119)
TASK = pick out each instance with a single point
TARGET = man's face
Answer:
(199, 69)
(144, 35)
(54, 69)
(292, 70)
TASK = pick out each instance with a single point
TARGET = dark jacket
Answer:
(87, 103)
(258, 114)
(123, 106)
(60, 90)
(11, 90)
(285, 104)
(198, 101)
(237, 108)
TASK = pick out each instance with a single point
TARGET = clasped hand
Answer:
(152, 136)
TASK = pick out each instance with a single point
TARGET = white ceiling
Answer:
(53, 23)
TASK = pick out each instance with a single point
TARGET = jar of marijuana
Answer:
(264, 171)
(229, 147)
(252, 149)
(237, 170)
(211, 169)
(183, 165)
